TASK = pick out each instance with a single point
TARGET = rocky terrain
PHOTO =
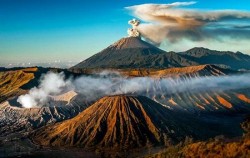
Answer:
(14, 118)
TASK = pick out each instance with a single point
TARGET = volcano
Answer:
(133, 52)
(118, 122)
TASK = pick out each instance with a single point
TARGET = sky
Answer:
(43, 31)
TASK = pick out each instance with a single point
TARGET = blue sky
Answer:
(48, 30)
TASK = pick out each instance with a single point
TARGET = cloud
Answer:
(105, 83)
(171, 22)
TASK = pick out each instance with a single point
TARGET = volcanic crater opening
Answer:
(60, 100)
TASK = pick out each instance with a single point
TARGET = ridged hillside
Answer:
(119, 122)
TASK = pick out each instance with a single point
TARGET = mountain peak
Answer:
(131, 42)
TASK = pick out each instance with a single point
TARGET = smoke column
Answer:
(133, 32)
(152, 33)
(111, 83)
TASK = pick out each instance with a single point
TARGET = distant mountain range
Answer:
(132, 52)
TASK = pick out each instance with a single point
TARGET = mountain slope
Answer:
(119, 122)
(132, 52)
(206, 56)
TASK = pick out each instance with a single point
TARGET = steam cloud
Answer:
(50, 84)
(111, 83)
(173, 23)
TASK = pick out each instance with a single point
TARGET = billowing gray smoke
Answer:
(111, 83)
(172, 23)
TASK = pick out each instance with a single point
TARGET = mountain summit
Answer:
(131, 42)
(133, 52)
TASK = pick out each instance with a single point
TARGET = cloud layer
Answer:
(173, 23)
(111, 83)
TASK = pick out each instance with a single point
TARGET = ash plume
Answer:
(111, 83)
(173, 23)
(133, 32)
(134, 22)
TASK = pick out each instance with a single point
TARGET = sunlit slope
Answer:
(189, 71)
(12, 81)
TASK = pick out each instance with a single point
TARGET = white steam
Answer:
(50, 84)
(106, 83)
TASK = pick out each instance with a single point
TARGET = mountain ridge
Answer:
(202, 55)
